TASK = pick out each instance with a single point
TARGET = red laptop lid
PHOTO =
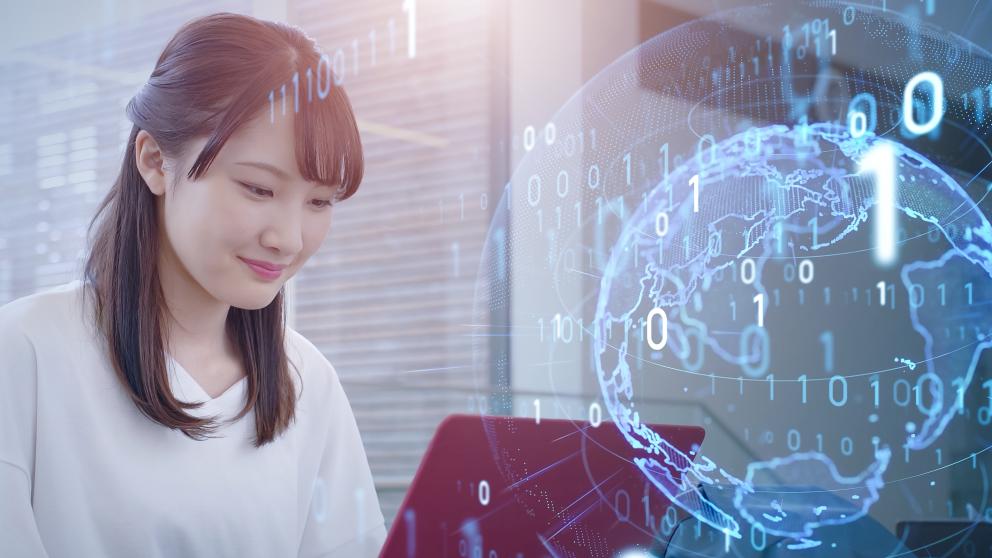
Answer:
(508, 487)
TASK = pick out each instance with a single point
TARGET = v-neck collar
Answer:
(186, 388)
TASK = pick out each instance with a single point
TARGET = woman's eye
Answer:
(265, 192)
(256, 190)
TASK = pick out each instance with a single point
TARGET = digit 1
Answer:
(771, 387)
(759, 299)
(827, 340)
(881, 293)
(626, 160)
(410, 9)
(802, 379)
(537, 411)
(663, 150)
(694, 182)
(874, 387)
(881, 161)
(296, 91)
(970, 288)
(960, 398)
(309, 85)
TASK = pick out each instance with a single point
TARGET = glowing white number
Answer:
(550, 133)
(530, 138)
(534, 194)
(595, 415)
(410, 9)
(562, 181)
(806, 272)
(842, 400)
(658, 228)
(938, 103)
(881, 161)
(857, 123)
(323, 76)
(338, 64)
(759, 299)
(881, 293)
(593, 184)
(694, 182)
(747, 278)
(659, 345)
(484, 493)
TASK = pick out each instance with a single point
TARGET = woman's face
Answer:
(250, 222)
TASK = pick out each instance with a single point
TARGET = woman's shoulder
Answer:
(313, 366)
(45, 311)
(33, 325)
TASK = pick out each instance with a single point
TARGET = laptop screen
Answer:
(502, 487)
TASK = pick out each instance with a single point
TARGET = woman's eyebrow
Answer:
(280, 173)
(266, 167)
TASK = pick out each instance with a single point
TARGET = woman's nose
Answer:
(284, 232)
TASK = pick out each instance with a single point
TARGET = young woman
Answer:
(159, 406)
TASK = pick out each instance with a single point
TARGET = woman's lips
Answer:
(263, 272)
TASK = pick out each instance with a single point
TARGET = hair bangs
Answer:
(239, 110)
(328, 144)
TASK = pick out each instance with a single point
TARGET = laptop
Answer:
(511, 487)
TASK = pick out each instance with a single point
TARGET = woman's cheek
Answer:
(241, 221)
(316, 232)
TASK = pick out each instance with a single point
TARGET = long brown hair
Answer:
(215, 74)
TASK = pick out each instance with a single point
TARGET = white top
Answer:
(84, 473)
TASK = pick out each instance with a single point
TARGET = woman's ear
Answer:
(150, 161)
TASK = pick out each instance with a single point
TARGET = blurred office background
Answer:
(389, 298)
